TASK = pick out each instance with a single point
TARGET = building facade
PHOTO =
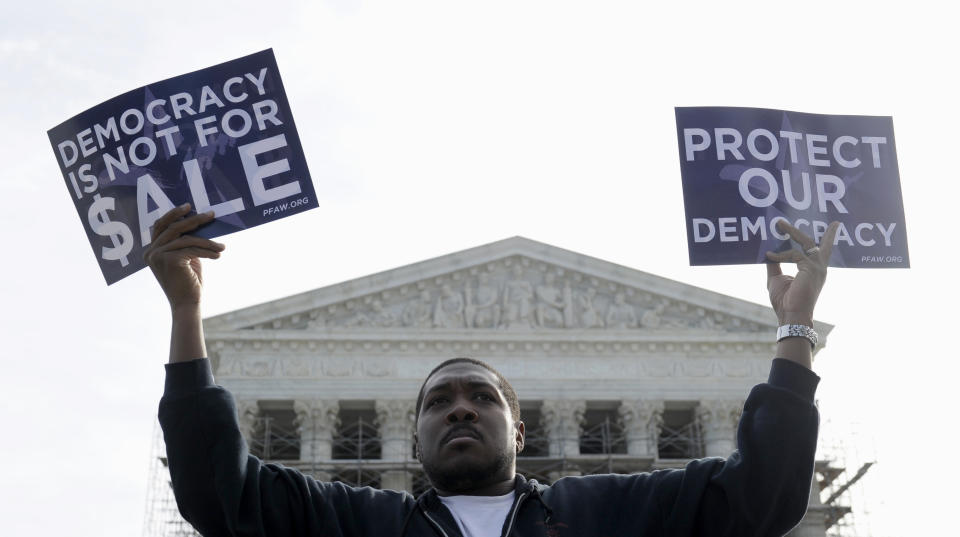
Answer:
(617, 370)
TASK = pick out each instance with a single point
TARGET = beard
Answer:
(462, 478)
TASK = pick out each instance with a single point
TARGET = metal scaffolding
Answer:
(606, 437)
(273, 441)
(359, 440)
(683, 442)
(841, 487)
(162, 518)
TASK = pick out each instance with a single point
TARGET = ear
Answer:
(416, 447)
(520, 436)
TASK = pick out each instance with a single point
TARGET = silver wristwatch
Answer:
(798, 330)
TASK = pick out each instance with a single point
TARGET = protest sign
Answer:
(744, 169)
(221, 138)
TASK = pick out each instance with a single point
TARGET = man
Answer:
(468, 433)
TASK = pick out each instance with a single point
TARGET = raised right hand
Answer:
(793, 297)
(174, 257)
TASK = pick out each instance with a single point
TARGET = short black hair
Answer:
(508, 392)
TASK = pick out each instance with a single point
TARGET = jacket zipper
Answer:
(434, 522)
(513, 516)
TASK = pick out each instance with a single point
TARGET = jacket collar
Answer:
(439, 516)
(431, 500)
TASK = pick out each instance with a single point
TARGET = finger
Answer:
(173, 214)
(179, 245)
(180, 227)
(189, 241)
(826, 243)
(201, 252)
(773, 269)
(154, 260)
(789, 256)
(802, 238)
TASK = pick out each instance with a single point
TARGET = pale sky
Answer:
(432, 127)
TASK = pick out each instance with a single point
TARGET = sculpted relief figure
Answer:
(569, 317)
(651, 318)
(358, 319)
(517, 295)
(706, 319)
(620, 314)
(448, 311)
(316, 321)
(589, 318)
(469, 309)
(658, 318)
(485, 312)
(382, 316)
(417, 314)
(552, 305)
(379, 317)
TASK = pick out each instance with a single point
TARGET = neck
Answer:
(496, 488)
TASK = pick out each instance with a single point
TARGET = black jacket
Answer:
(761, 489)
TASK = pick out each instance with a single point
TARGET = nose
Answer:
(461, 412)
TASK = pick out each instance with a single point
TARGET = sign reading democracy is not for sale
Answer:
(221, 138)
(744, 169)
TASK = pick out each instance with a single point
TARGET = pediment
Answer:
(511, 286)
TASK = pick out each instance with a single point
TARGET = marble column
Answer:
(395, 422)
(641, 419)
(248, 411)
(718, 420)
(316, 421)
(561, 420)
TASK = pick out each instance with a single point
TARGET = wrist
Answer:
(187, 310)
(796, 318)
(796, 343)
(186, 333)
(797, 350)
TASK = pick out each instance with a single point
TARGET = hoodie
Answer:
(761, 489)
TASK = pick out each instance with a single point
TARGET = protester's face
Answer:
(466, 436)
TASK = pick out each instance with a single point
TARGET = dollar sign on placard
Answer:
(118, 232)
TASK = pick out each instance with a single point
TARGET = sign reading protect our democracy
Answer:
(744, 169)
(221, 138)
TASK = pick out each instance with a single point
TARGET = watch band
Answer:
(798, 330)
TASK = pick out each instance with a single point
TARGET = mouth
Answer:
(460, 433)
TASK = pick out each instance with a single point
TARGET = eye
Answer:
(485, 396)
(435, 401)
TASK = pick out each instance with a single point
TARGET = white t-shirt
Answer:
(479, 516)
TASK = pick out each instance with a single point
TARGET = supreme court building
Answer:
(617, 370)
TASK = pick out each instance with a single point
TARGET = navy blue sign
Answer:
(221, 138)
(744, 169)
